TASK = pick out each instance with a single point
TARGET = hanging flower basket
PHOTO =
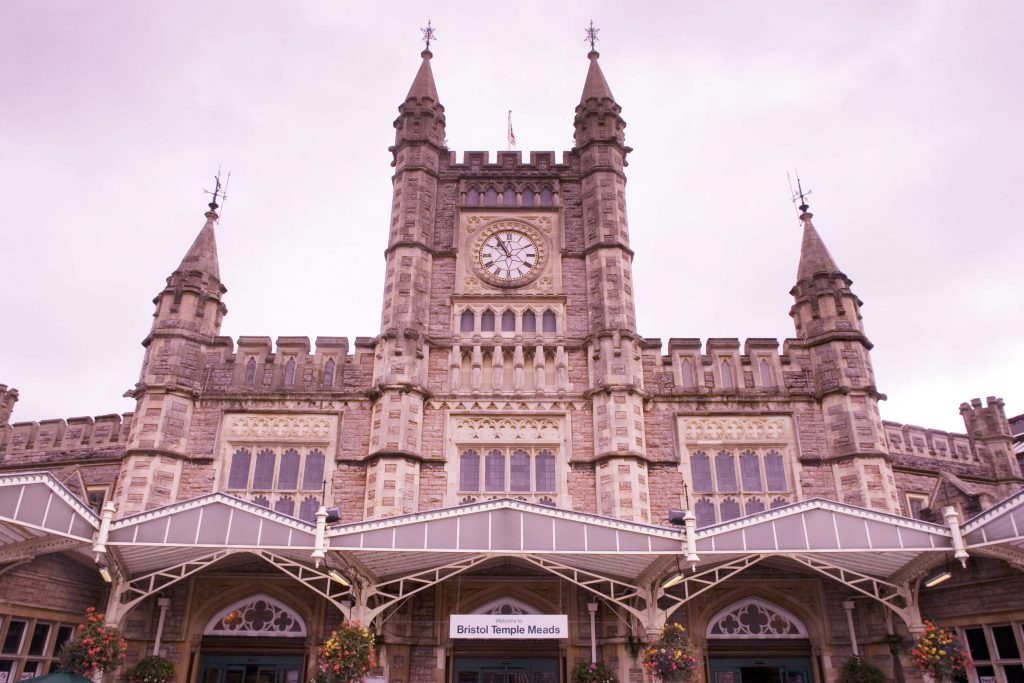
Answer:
(593, 672)
(95, 647)
(671, 658)
(347, 655)
(939, 654)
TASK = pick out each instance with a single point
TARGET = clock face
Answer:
(509, 255)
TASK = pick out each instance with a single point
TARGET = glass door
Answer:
(249, 669)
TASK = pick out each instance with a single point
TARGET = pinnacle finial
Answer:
(798, 193)
(217, 192)
(592, 36)
(429, 34)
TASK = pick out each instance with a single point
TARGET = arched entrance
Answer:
(255, 640)
(754, 641)
(486, 660)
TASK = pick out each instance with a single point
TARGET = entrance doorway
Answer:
(249, 669)
(506, 670)
(760, 670)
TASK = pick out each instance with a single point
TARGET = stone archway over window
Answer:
(753, 618)
(256, 615)
(506, 606)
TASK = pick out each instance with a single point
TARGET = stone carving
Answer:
(470, 429)
(545, 223)
(472, 223)
(280, 426)
(734, 429)
(754, 618)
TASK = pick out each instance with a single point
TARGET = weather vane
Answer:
(428, 34)
(591, 35)
(799, 192)
(216, 192)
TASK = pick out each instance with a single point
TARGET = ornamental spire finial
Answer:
(428, 35)
(218, 192)
(798, 193)
(591, 36)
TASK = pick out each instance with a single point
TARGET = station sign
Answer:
(509, 626)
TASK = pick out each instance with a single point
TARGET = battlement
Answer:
(904, 439)
(65, 435)
(986, 422)
(723, 365)
(508, 162)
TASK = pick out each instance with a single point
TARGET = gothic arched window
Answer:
(250, 372)
(473, 197)
(308, 508)
(750, 471)
(775, 471)
(704, 511)
(490, 197)
(550, 322)
(313, 475)
(766, 374)
(487, 321)
(509, 198)
(529, 321)
(700, 472)
(727, 380)
(545, 466)
(329, 372)
(546, 197)
(288, 471)
(467, 322)
(725, 468)
(519, 471)
(469, 471)
(263, 475)
(686, 370)
(238, 477)
(753, 506)
(285, 505)
(528, 197)
(494, 471)
(729, 509)
(508, 321)
(289, 372)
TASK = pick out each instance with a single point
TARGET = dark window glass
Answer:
(508, 321)
(15, 634)
(750, 471)
(509, 198)
(550, 324)
(31, 670)
(779, 502)
(288, 474)
(263, 476)
(1014, 673)
(730, 509)
(262, 501)
(775, 472)
(250, 372)
(519, 474)
(487, 321)
(529, 322)
(285, 505)
(700, 471)
(545, 464)
(1006, 644)
(490, 197)
(329, 372)
(546, 197)
(467, 322)
(289, 372)
(64, 633)
(469, 471)
(473, 197)
(916, 505)
(96, 499)
(494, 471)
(238, 477)
(725, 471)
(528, 197)
(753, 506)
(313, 476)
(41, 634)
(988, 672)
(704, 511)
(308, 508)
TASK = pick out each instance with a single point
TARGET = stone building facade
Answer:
(509, 445)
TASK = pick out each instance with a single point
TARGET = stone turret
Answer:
(402, 353)
(990, 430)
(827, 317)
(613, 347)
(188, 316)
(8, 397)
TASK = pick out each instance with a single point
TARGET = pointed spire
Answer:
(423, 85)
(595, 86)
(201, 257)
(814, 256)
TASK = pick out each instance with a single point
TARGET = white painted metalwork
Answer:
(256, 615)
(752, 618)
(506, 605)
(694, 584)
(390, 593)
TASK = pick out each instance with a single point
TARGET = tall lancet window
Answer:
(686, 370)
(508, 321)
(289, 372)
(528, 197)
(250, 372)
(467, 322)
(329, 372)
(546, 197)
(727, 379)
(487, 321)
(469, 471)
(494, 471)
(766, 374)
(529, 321)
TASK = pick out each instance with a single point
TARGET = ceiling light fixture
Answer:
(938, 577)
(339, 577)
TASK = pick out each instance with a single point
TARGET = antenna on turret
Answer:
(217, 193)
(428, 35)
(592, 36)
(798, 193)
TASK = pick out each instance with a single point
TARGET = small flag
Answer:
(511, 135)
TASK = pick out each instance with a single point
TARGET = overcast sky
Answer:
(905, 119)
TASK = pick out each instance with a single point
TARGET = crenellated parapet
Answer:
(102, 436)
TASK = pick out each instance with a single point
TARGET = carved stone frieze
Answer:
(526, 429)
(734, 429)
(281, 426)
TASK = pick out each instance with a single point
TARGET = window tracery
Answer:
(256, 615)
(755, 619)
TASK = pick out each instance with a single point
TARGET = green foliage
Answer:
(857, 670)
(587, 672)
(152, 669)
